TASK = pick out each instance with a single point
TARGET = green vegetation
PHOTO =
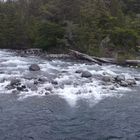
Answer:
(85, 25)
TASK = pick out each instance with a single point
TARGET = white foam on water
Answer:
(89, 91)
(76, 88)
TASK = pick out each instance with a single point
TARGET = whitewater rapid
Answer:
(71, 86)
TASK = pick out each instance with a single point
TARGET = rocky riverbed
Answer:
(66, 99)
(36, 76)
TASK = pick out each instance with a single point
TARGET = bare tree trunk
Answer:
(100, 61)
(83, 56)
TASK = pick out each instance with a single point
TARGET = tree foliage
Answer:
(79, 24)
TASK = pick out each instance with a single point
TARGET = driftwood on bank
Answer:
(133, 62)
(100, 61)
(124, 63)
(83, 56)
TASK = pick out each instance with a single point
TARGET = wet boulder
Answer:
(41, 80)
(31, 86)
(49, 87)
(47, 93)
(34, 67)
(9, 87)
(137, 78)
(131, 82)
(15, 92)
(108, 79)
(15, 82)
(21, 88)
(54, 82)
(112, 88)
(120, 78)
(86, 74)
(78, 71)
(124, 84)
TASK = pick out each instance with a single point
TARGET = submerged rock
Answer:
(42, 79)
(86, 74)
(15, 92)
(34, 67)
(47, 93)
(15, 82)
(31, 86)
(112, 88)
(78, 92)
(49, 88)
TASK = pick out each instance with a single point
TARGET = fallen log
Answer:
(83, 56)
(125, 62)
(133, 62)
(100, 61)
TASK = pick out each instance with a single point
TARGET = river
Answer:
(75, 108)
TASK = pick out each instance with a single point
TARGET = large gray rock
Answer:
(86, 74)
(120, 78)
(137, 78)
(131, 82)
(124, 84)
(34, 67)
(15, 82)
(108, 79)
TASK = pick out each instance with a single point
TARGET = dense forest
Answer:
(84, 25)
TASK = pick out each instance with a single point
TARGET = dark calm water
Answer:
(59, 116)
(51, 118)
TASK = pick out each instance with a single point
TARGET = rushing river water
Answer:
(75, 108)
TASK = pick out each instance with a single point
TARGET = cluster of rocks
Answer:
(16, 84)
(119, 80)
(105, 78)
(35, 52)
(32, 84)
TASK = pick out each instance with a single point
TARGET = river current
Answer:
(77, 108)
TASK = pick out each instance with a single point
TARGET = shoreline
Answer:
(68, 56)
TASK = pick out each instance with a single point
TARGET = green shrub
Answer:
(50, 35)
